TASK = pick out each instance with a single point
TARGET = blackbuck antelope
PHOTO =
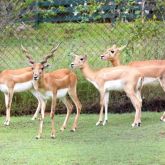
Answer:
(153, 71)
(116, 78)
(17, 80)
(56, 84)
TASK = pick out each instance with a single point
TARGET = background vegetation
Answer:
(144, 41)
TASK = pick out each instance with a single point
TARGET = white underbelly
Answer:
(110, 85)
(19, 87)
(113, 85)
(150, 80)
(3, 88)
(48, 94)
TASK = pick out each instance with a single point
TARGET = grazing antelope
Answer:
(117, 78)
(153, 71)
(56, 84)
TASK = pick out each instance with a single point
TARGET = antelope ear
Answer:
(31, 65)
(46, 65)
(73, 54)
(85, 57)
(114, 46)
(122, 47)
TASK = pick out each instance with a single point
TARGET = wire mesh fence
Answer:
(87, 28)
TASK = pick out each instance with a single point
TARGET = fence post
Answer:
(143, 7)
(37, 14)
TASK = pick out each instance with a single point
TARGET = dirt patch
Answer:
(155, 105)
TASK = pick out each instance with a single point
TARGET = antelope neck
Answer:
(115, 61)
(88, 72)
(39, 83)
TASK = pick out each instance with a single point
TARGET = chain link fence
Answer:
(87, 28)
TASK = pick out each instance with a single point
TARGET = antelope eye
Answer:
(112, 51)
(81, 59)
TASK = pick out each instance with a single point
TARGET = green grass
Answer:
(114, 144)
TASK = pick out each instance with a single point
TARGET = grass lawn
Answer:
(114, 144)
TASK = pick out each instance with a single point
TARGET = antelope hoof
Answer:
(53, 136)
(162, 119)
(6, 123)
(62, 129)
(139, 124)
(73, 130)
(105, 122)
(40, 118)
(38, 137)
(99, 123)
(136, 124)
(34, 118)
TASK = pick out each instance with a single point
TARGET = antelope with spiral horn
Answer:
(53, 85)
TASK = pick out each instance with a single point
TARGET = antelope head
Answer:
(38, 68)
(112, 53)
(79, 61)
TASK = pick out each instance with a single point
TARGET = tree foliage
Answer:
(12, 10)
